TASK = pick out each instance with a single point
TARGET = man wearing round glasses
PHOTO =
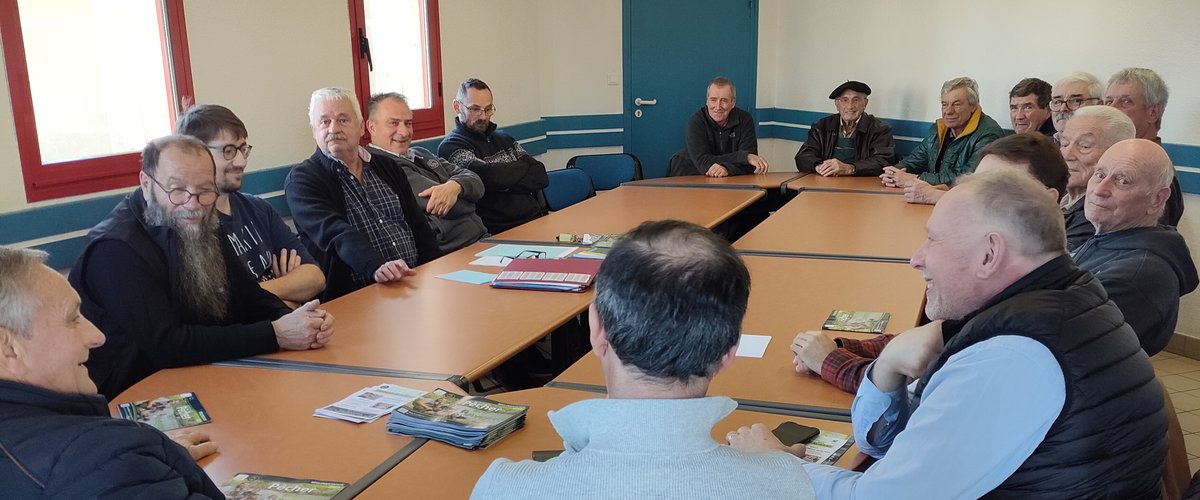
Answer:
(511, 177)
(264, 244)
(849, 142)
(1072, 92)
(155, 277)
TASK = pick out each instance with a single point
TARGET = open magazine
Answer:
(167, 412)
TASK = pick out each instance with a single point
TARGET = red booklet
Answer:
(560, 275)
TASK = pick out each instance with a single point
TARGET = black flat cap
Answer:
(850, 85)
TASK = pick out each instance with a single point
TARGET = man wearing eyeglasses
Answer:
(262, 241)
(511, 177)
(156, 279)
(720, 139)
(849, 142)
(1142, 95)
(1072, 92)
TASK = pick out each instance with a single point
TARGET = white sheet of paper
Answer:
(753, 346)
(491, 260)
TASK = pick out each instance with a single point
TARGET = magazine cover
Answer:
(167, 412)
(857, 321)
(245, 486)
(466, 411)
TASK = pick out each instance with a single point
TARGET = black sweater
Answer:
(706, 143)
(128, 280)
(318, 207)
(511, 177)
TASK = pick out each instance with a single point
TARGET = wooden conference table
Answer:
(769, 180)
(263, 421)
(843, 225)
(619, 210)
(439, 470)
(813, 182)
(788, 296)
(433, 328)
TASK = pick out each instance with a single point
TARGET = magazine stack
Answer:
(465, 421)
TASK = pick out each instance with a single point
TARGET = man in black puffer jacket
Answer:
(57, 439)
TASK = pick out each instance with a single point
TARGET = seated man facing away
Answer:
(1028, 382)
(651, 438)
(1029, 107)
(949, 149)
(849, 142)
(720, 139)
(1084, 139)
(1145, 265)
(843, 362)
(56, 435)
(511, 176)
(1072, 92)
(258, 236)
(447, 192)
(355, 211)
(1142, 95)
(155, 277)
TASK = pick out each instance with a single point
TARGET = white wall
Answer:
(579, 51)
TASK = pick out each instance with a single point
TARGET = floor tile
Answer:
(1189, 422)
(1184, 402)
(1192, 442)
(1177, 383)
(1195, 464)
(1177, 365)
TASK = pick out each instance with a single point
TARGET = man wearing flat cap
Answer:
(849, 142)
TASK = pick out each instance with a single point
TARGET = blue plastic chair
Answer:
(567, 187)
(608, 170)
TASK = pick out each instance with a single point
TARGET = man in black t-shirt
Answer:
(258, 236)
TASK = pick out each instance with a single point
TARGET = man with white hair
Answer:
(1028, 382)
(1072, 92)
(950, 148)
(1144, 266)
(354, 210)
(1083, 140)
(1142, 95)
(56, 434)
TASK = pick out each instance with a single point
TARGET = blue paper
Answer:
(468, 276)
(537, 251)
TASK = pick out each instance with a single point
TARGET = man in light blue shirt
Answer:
(1027, 384)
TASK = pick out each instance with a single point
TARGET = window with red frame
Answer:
(396, 48)
(91, 82)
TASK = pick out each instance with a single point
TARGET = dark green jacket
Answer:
(960, 154)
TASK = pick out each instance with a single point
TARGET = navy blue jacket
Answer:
(59, 445)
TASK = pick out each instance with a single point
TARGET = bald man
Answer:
(1084, 139)
(1144, 266)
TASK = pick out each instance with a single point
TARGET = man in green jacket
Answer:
(950, 148)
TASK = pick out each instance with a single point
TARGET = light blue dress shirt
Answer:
(979, 419)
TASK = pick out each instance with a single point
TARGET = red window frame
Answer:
(426, 122)
(87, 175)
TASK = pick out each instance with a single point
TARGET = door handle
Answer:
(644, 102)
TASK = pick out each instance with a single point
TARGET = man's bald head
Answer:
(1130, 186)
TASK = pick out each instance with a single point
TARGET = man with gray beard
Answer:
(154, 277)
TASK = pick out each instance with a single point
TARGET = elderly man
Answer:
(842, 361)
(651, 437)
(1144, 266)
(57, 436)
(1074, 91)
(1084, 139)
(511, 177)
(447, 192)
(156, 279)
(1029, 107)
(949, 149)
(1028, 382)
(258, 236)
(849, 142)
(1142, 95)
(355, 211)
(720, 139)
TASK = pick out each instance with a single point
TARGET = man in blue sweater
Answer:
(670, 298)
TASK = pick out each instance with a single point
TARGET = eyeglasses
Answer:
(229, 151)
(1072, 104)
(851, 100)
(476, 110)
(180, 196)
(1120, 102)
